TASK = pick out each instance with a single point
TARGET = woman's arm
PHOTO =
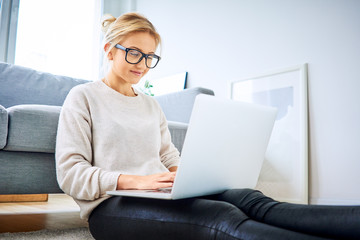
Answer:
(173, 169)
(76, 174)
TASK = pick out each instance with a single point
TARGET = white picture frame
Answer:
(284, 175)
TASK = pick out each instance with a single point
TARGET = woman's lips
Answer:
(136, 73)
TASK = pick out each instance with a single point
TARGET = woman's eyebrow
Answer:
(136, 48)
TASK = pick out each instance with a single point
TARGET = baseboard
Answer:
(325, 201)
(24, 197)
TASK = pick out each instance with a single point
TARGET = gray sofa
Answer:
(30, 104)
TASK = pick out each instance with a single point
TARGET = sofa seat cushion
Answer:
(32, 128)
(3, 126)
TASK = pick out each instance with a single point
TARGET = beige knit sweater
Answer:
(103, 134)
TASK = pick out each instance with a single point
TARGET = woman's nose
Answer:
(142, 63)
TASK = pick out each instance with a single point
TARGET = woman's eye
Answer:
(134, 53)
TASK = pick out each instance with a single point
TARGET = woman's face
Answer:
(132, 73)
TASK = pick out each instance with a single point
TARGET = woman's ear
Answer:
(109, 54)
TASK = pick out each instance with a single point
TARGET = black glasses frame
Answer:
(143, 55)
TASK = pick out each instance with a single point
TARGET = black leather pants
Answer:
(234, 214)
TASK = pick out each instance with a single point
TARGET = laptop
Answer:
(224, 148)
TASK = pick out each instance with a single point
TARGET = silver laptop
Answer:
(224, 148)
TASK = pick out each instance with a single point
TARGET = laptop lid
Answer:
(224, 147)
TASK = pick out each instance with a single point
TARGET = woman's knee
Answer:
(252, 202)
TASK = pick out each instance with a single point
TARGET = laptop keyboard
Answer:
(165, 190)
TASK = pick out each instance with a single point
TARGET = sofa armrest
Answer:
(3, 126)
(178, 132)
(32, 128)
(178, 106)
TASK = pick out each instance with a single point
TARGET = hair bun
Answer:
(106, 21)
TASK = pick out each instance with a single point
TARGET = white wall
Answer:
(219, 41)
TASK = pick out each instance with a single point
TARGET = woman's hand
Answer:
(155, 181)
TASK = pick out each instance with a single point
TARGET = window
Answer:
(60, 36)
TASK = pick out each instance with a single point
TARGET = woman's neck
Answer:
(124, 89)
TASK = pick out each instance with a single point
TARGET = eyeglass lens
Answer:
(133, 56)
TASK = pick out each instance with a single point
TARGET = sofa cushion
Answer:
(32, 128)
(3, 126)
(178, 133)
(20, 85)
(178, 106)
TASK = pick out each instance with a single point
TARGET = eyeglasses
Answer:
(134, 56)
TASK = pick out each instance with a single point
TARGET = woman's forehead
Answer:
(143, 41)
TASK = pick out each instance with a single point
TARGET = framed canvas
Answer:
(284, 175)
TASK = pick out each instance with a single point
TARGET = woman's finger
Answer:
(167, 178)
(164, 185)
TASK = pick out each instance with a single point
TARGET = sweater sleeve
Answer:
(169, 154)
(76, 174)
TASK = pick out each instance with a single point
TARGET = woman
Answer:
(110, 136)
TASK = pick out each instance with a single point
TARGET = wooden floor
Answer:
(59, 212)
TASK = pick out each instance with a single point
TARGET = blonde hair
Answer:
(116, 29)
